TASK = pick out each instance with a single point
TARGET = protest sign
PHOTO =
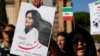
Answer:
(33, 30)
(95, 17)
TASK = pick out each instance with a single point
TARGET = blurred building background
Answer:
(10, 10)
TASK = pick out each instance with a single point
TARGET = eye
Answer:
(75, 40)
(30, 17)
(83, 40)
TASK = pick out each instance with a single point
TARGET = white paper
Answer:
(95, 17)
(28, 44)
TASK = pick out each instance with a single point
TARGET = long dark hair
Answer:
(35, 18)
(90, 47)
(42, 26)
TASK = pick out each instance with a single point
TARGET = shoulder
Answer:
(35, 30)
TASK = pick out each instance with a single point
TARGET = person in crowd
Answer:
(54, 50)
(97, 48)
(63, 42)
(7, 34)
(82, 43)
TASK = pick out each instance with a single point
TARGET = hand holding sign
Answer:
(37, 3)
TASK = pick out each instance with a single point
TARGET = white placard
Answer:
(95, 17)
(26, 42)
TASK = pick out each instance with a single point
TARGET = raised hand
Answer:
(37, 3)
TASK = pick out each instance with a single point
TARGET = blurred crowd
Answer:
(78, 43)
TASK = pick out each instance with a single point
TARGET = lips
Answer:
(80, 48)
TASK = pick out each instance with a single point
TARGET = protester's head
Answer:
(54, 49)
(82, 43)
(8, 32)
(61, 39)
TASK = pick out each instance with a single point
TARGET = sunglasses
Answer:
(76, 40)
(98, 50)
(8, 32)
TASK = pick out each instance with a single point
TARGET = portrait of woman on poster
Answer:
(39, 28)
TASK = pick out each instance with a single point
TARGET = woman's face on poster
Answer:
(29, 20)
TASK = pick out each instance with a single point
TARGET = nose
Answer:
(79, 44)
(59, 42)
(26, 18)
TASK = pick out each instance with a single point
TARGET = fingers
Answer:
(34, 2)
(37, 3)
(41, 2)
